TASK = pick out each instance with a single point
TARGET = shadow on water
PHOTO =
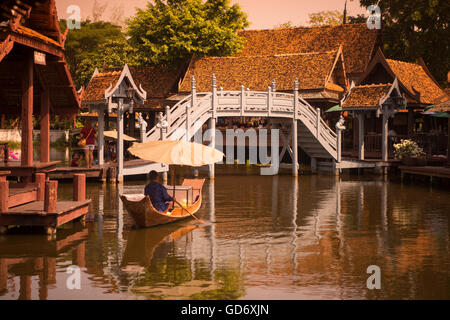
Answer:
(270, 237)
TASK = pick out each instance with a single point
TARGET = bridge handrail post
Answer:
(242, 100)
(168, 118)
(269, 100)
(318, 123)
(295, 99)
(214, 97)
(192, 106)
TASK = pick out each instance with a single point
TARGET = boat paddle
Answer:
(199, 220)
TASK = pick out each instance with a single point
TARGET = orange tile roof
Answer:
(157, 81)
(358, 42)
(33, 34)
(95, 91)
(414, 78)
(258, 72)
(366, 96)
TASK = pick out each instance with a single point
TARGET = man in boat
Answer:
(157, 193)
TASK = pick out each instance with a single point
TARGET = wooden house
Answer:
(35, 81)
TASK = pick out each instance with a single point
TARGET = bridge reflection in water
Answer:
(276, 237)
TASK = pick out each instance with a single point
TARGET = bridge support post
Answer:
(294, 132)
(101, 139)
(193, 103)
(120, 142)
(212, 123)
(314, 165)
(385, 130)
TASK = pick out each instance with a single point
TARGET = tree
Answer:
(285, 25)
(97, 10)
(322, 18)
(171, 31)
(417, 28)
(96, 45)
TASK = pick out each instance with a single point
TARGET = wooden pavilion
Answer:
(35, 81)
(415, 83)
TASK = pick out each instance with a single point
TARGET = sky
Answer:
(262, 14)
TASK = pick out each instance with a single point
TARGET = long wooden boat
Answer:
(144, 215)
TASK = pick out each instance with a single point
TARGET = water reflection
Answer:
(269, 237)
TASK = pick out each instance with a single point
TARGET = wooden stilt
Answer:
(45, 126)
(27, 112)
(79, 187)
(4, 196)
(40, 181)
(51, 196)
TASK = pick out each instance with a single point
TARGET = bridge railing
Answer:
(243, 103)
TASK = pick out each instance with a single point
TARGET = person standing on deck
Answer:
(157, 193)
(89, 133)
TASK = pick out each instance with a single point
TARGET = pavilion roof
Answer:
(158, 81)
(417, 79)
(314, 71)
(366, 96)
(28, 26)
(359, 42)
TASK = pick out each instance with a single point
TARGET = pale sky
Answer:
(262, 14)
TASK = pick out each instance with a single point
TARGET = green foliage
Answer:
(169, 32)
(417, 28)
(95, 45)
(322, 18)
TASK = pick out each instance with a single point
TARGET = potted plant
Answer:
(409, 152)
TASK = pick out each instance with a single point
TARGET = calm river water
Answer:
(267, 238)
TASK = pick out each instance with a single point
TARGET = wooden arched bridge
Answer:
(308, 130)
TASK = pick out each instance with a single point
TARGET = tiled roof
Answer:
(157, 81)
(33, 34)
(414, 78)
(366, 96)
(358, 42)
(258, 72)
(95, 91)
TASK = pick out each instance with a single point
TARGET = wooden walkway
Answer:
(438, 172)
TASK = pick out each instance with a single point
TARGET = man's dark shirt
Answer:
(158, 196)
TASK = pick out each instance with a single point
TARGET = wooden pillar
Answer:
(318, 123)
(448, 143)
(294, 132)
(2, 125)
(384, 135)
(4, 195)
(79, 255)
(40, 181)
(361, 136)
(101, 138)
(25, 288)
(51, 196)
(3, 275)
(119, 148)
(410, 122)
(45, 126)
(79, 187)
(27, 111)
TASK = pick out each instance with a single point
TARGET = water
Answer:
(267, 238)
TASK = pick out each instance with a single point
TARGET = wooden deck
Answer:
(439, 172)
(107, 172)
(33, 214)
